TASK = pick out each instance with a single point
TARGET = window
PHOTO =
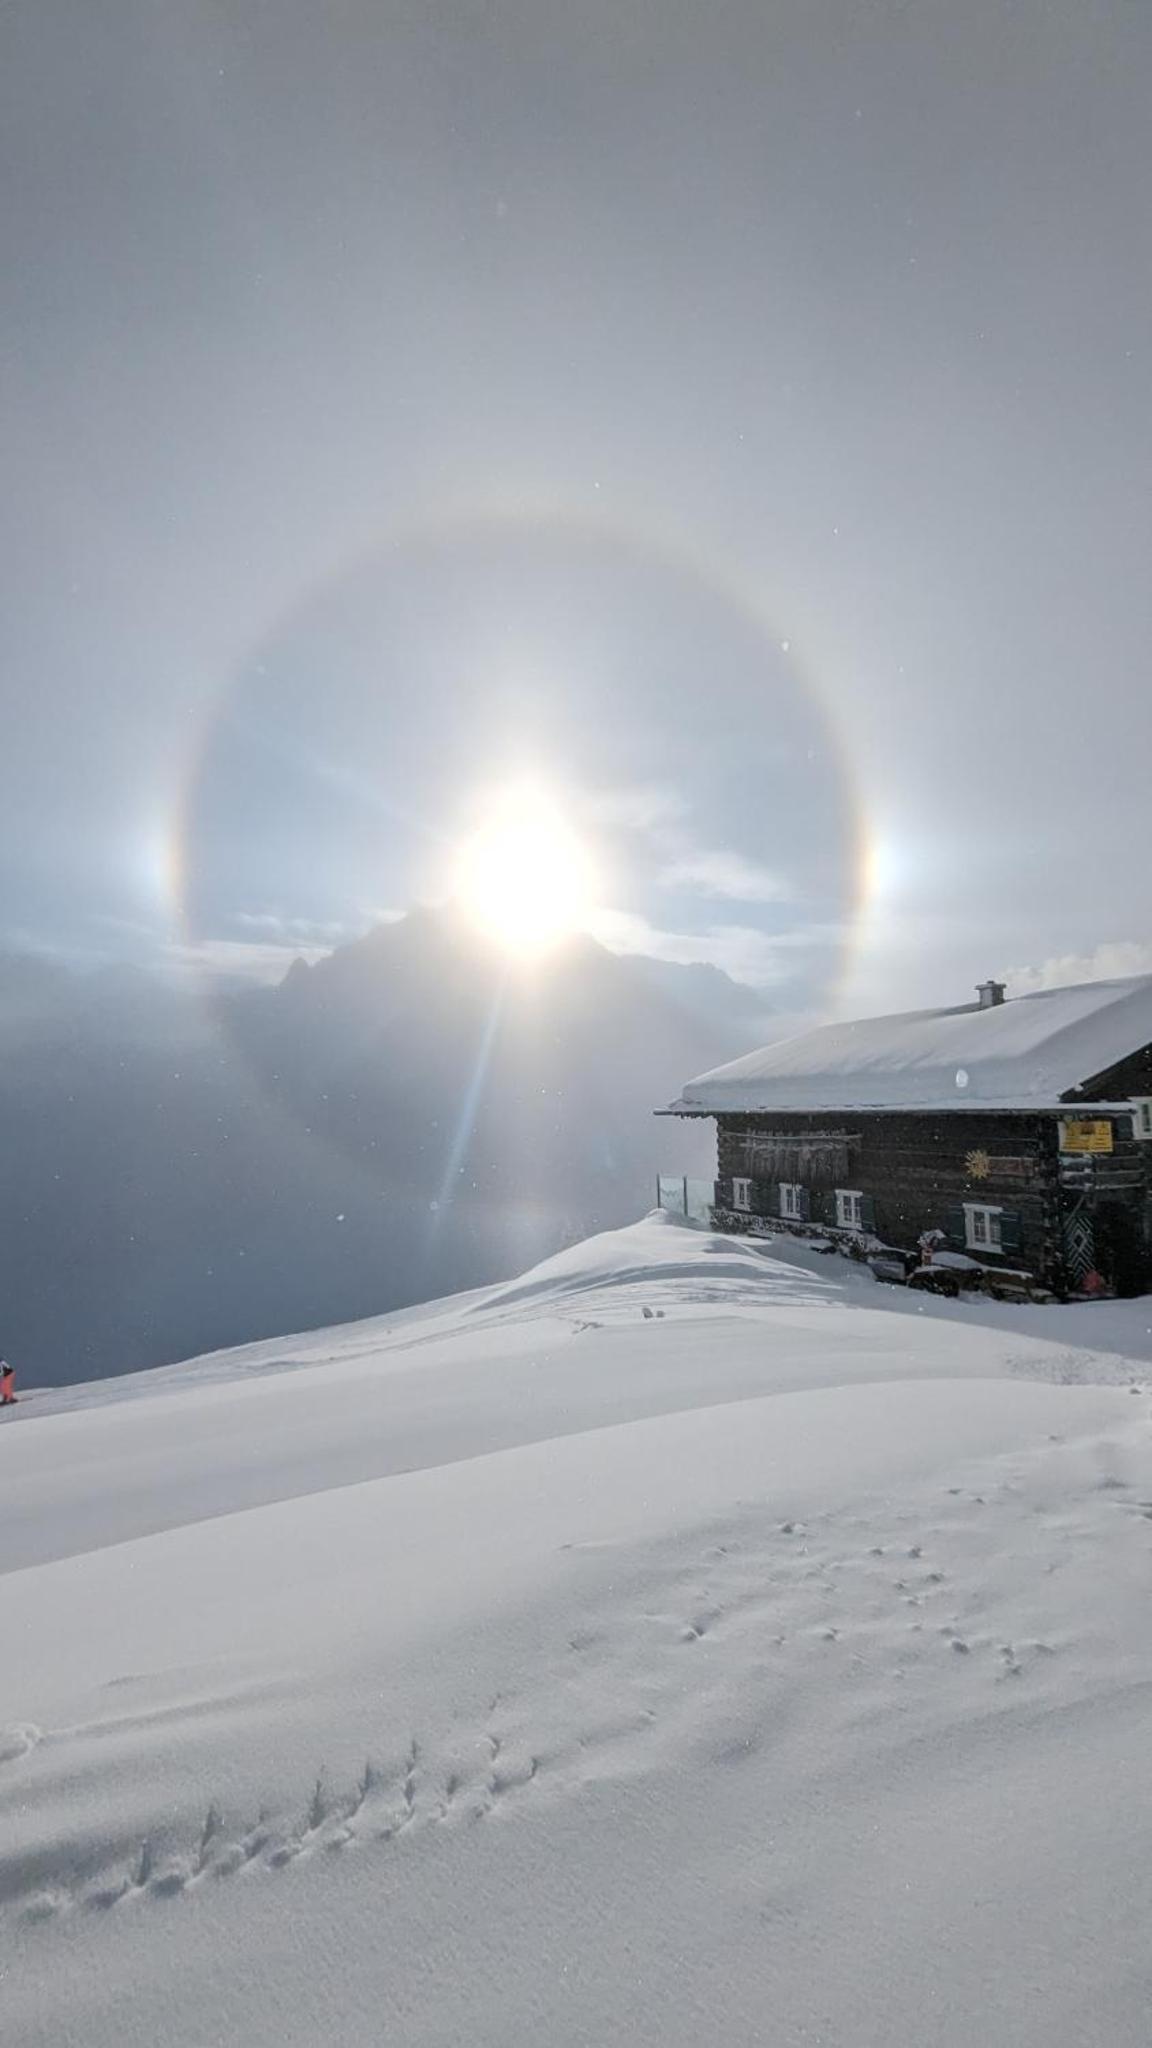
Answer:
(741, 1194)
(849, 1208)
(981, 1228)
(1142, 1117)
(791, 1201)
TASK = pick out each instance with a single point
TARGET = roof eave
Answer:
(1058, 1108)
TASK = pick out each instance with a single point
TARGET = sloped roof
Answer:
(1022, 1054)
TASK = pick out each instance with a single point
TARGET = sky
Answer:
(734, 418)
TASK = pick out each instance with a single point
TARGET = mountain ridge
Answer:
(197, 1165)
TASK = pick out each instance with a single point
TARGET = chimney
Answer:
(991, 994)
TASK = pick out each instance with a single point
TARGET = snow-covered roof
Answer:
(1028, 1053)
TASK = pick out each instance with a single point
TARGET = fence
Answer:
(684, 1197)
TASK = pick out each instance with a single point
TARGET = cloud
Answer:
(375, 913)
(638, 807)
(126, 927)
(1111, 961)
(743, 952)
(657, 815)
(251, 960)
(717, 872)
(307, 930)
(276, 941)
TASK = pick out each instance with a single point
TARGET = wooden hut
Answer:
(1014, 1134)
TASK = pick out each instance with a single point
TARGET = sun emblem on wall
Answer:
(978, 1165)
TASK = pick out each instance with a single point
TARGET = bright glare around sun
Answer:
(524, 876)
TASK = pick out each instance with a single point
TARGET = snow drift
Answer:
(673, 1646)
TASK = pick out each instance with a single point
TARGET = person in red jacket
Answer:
(7, 1384)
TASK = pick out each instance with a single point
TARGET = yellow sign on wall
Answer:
(1086, 1134)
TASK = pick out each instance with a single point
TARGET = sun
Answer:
(525, 876)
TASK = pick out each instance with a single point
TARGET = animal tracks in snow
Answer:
(381, 1807)
(701, 1653)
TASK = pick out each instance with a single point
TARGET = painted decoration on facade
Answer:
(982, 1165)
(1086, 1134)
(1079, 1247)
(798, 1156)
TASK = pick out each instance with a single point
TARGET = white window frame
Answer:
(849, 1207)
(1142, 1117)
(742, 1195)
(791, 1193)
(990, 1216)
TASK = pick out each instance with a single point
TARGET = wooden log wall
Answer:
(917, 1169)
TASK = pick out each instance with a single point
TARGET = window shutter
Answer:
(1009, 1230)
(804, 1204)
(954, 1229)
(867, 1213)
(771, 1193)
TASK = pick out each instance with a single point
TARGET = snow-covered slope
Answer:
(677, 1645)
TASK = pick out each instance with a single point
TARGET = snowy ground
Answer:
(676, 1646)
